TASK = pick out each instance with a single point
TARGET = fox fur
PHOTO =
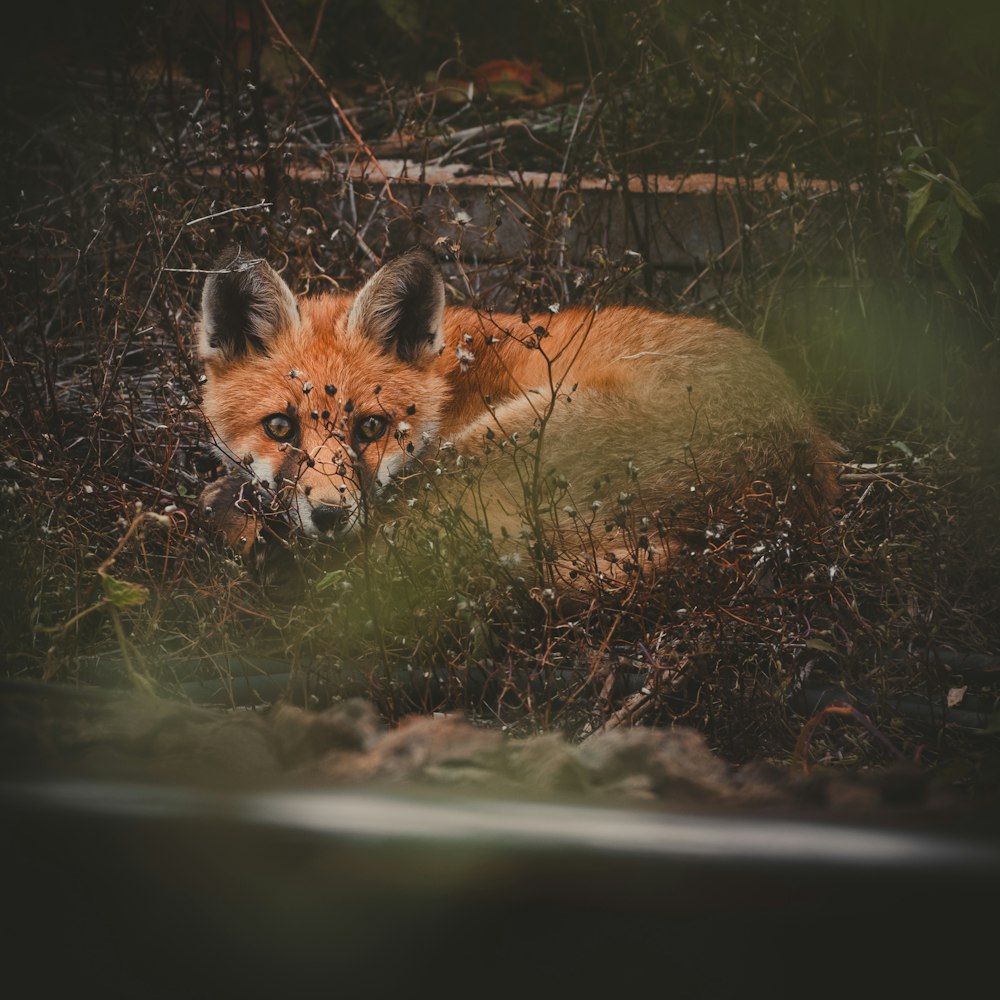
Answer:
(320, 403)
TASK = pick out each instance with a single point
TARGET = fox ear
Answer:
(244, 306)
(401, 307)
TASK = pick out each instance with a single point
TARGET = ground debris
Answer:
(50, 731)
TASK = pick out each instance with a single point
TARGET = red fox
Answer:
(322, 402)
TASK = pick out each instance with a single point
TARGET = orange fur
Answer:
(700, 411)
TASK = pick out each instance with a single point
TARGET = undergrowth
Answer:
(877, 290)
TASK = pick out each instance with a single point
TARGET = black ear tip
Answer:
(418, 252)
(232, 257)
(418, 268)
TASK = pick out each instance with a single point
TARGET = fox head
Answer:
(322, 400)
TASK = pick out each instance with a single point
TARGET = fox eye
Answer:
(372, 428)
(280, 427)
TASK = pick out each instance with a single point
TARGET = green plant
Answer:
(117, 596)
(939, 208)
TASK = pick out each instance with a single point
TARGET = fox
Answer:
(639, 423)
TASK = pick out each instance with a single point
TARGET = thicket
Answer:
(138, 141)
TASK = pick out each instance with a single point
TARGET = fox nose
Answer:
(328, 518)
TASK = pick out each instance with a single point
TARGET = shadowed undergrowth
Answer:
(120, 191)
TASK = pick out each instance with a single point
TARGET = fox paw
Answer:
(231, 507)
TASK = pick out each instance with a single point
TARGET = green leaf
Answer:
(951, 228)
(964, 200)
(954, 270)
(912, 180)
(934, 156)
(942, 162)
(123, 594)
(947, 243)
(918, 230)
(915, 177)
(916, 204)
(820, 644)
(989, 192)
(912, 153)
(333, 578)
